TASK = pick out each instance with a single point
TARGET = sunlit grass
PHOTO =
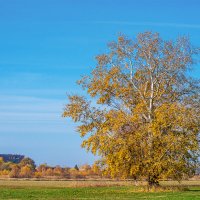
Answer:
(15, 189)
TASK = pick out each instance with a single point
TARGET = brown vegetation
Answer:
(27, 169)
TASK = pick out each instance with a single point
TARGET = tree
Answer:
(85, 167)
(58, 171)
(6, 166)
(76, 167)
(42, 168)
(85, 170)
(28, 162)
(50, 172)
(74, 173)
(26, 171)
(14, 173)
(142, 116)
(1, 162)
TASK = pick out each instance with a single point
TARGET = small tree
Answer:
(29, 162)
(58, 171)
(14, 173)
(49, 172)
(26, 172)
(145, 121)
(73, 173)
(42, 168)
(1, 160)
(76, 167)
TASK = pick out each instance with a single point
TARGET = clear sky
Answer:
(46, 45)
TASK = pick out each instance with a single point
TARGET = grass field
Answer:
(93, 190)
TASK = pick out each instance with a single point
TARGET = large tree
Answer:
(142, 113)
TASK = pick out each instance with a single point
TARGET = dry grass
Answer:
(165, 185)
(182, 183)
(64, 184)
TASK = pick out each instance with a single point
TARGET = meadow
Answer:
(61, 190)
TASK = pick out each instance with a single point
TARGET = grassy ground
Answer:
(60, 190)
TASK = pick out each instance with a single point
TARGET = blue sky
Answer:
(46, 45)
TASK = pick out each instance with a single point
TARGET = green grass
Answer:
(60, 190)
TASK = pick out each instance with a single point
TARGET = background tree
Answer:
(1, 162)
(85, 170)
(15, 171)
(96, 169)
(28, 162)
(76, 167)
(6, 166)
(42, 169)
(26, 171)
(74, 173)
(58, 171)
(49, 172)
(145, 121)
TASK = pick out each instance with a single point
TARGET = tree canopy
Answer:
(142, 116)
(28, 162)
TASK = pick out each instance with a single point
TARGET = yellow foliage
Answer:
(145, 121)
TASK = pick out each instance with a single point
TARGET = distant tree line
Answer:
(27, 168)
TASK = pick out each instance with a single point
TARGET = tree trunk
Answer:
(153, 181)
